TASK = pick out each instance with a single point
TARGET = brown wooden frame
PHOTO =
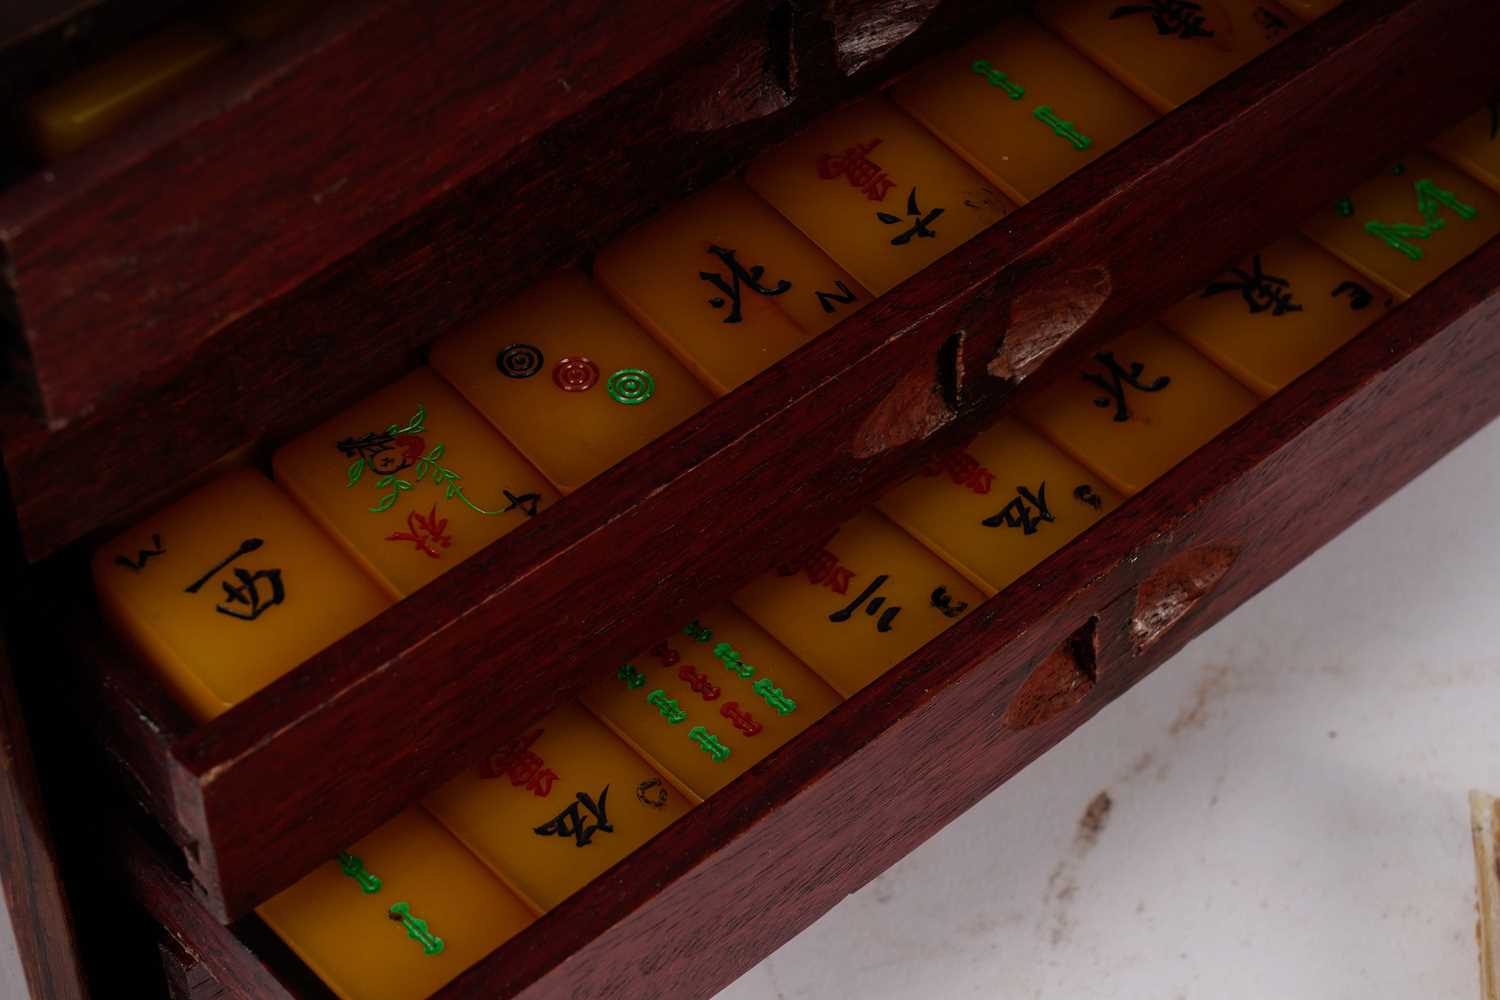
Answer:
(704, 506)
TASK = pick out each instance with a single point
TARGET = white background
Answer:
(1289, 817)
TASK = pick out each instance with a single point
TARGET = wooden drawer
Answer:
(716, 501)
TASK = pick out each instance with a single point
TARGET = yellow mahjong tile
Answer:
(721, 672)
(1022, 107)
(568, 378)
(229, 588)
(863, 603)
(89, 104)
(559, 806)
(1169, 51)
(876, 191)
(412, 481)
(1309, 10)
(1144, 402)
(999, 505)
(1409, 223)
(1278, 313)
(398, 915)
(1474, 145)
(727, 284)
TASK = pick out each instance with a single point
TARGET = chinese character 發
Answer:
(1182, 18)
(572, 822)
(1026, 511)
(920, 228)
(855, 164)
(1261, 291)
(139, 562)
(871, 604)
(1116, 379)
(738, 275)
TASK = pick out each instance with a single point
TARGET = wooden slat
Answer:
(431, 685)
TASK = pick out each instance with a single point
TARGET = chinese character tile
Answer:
(868, 599)
(545, 368)
(1409, 223)
(397, 915)
(876, 191)
(1142, 403)
(412, 481)
(727, 284)
(999, 505)
(91, 103)
(1023, 108)
(1474, 145)
(1169, 51)
(229, 588)
(558, 807)
(1277, 313)
(721, 672)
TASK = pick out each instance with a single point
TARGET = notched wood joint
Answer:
(1044, 314)
(1166, 596)
(1063, 679)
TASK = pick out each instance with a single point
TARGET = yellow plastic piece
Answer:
(1435, 217)
(999, 505)
(680, 272)
(1023, 108)
(1132, 424)
(871, 597)
(350, 937)
(402, 478)
(558, 807)
(733, 679)
(261, 20)
(1169, 51)
(876, 191)
(570, 435)
(1309, 10)
(92, 102)
(1277, 313)
(228, 589)
(1474, 145)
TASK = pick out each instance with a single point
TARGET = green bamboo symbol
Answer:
(416, 928)
(355, 869)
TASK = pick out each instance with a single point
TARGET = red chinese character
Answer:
(855, 164)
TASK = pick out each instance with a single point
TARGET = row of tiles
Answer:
(1150, 402)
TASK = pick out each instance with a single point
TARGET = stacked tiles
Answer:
(548, 390)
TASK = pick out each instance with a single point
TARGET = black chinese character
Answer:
(1085, 494)
(526, 501)
(919, 229)
(1182, 18)
(139, 562)
(246, 547)
(1115, 380)
(1359, 295)
(943, 601)
(873, 607)
(572, 823)
(827, 299)
(1026, 511)
(248, 594)
(737, 275)
(1261, 291)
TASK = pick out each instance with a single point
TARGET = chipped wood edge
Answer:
(1484, 813)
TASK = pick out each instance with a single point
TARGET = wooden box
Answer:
(267, 317)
